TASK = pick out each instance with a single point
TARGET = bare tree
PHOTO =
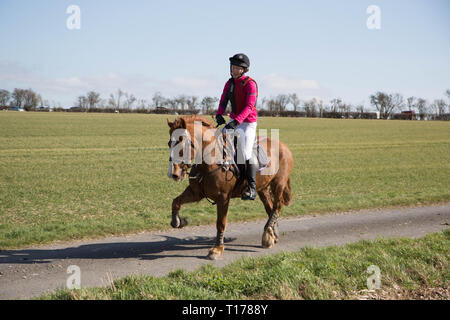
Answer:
(282, 101)
(294, 100)
(387, 104)
(397, 103)
(172, 104)
(31, 100)
(310, 107)
(411, 102)
(114, 101)
(342, 107)
(83, 103)
(321, 108)
(93, 98)
(192, 102)
(181, 102)
(335, 104)
(208, 104)
(271, 104)
(447, 93)
(347, 109)
(381, 102)
(18, 97)
(158, 100)
(421, 106)
(4, 97)
(438, 106)
(130, 99)
(263, 103)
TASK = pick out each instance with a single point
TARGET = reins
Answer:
(200, 176)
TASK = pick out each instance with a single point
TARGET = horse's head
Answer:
(179, 144)
(182, 145)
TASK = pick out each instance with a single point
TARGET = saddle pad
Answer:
(259, 153)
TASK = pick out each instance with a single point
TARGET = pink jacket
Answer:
(245, 97)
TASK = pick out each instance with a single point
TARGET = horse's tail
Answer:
(287, 193)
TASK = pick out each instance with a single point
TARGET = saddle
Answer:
(259, 155)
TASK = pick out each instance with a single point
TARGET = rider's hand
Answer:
(220, 120)
(232, 125)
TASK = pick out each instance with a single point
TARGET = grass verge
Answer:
(409, 268)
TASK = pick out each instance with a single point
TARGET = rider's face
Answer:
(236, 71)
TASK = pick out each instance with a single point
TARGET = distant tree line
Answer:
(387, 105)
(22, 98)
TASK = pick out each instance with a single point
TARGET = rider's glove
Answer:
(232, 125)
(220, 120)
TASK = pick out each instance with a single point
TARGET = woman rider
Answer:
(242, 92)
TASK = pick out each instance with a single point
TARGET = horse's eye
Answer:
(169, 143)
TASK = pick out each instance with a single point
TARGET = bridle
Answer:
(184, 166)
(199, 176)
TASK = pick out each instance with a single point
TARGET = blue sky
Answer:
(319, 49)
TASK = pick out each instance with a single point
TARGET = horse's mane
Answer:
(178, 122)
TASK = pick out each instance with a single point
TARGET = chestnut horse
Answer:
(215, 182)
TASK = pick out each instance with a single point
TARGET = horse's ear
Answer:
(170, 124)
(183, 123)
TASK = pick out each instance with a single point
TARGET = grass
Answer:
(69, 175)
(406, 265)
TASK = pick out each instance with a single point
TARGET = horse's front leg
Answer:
(187, 196)
(222, 210)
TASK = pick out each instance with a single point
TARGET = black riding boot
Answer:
(250, 174)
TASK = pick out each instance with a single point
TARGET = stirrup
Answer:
(249, 195)
(225, 165)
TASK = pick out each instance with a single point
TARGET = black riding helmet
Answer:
(241, 60)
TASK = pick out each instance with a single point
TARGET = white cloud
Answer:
(66, 89)
(287, 84)
(193, 83)
(273, 84)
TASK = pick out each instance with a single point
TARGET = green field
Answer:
(409, 269)
(70, 175)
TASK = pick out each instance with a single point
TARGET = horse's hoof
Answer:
(215, 252)
(213, 256)
(268, 238)
(175, 223)
(183, 223)
(178, 222)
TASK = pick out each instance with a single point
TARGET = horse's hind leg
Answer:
(271, 237)
(187, 196)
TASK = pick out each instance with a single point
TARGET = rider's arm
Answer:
(223, 98)
(251, 92)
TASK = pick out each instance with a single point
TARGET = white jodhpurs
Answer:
(246, 133)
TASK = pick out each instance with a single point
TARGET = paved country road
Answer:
(31, 272)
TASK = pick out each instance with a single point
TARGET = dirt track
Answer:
(31, 272)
